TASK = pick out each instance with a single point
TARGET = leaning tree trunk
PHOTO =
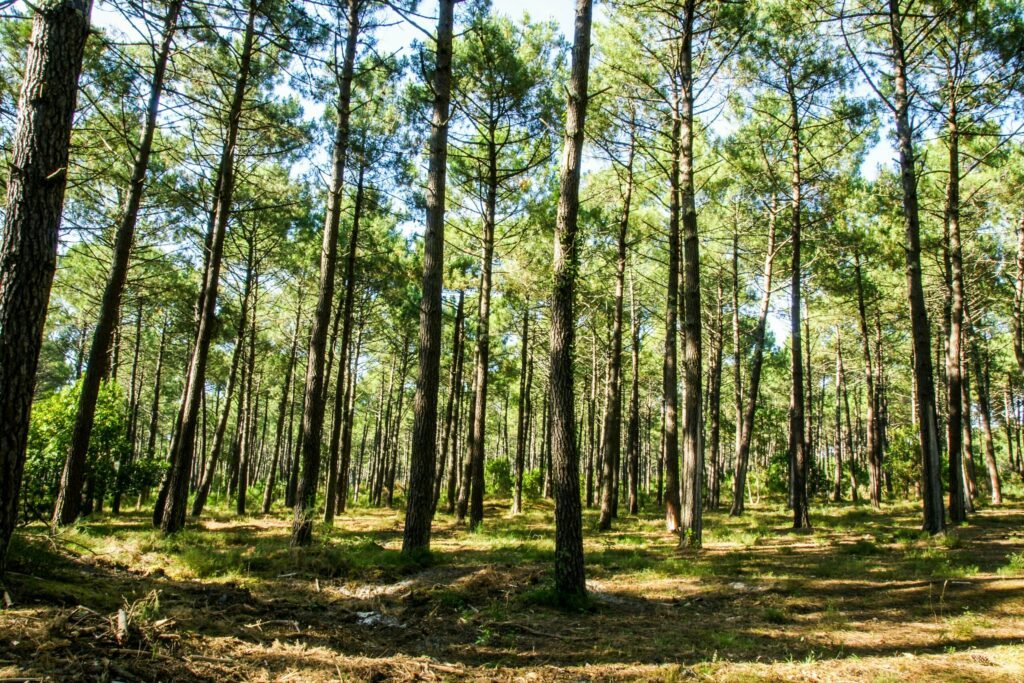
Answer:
(174, 495)
(570, 580)
(747, 431)
(203, 490)
(69, 496)
(35, 197)
(313, 404)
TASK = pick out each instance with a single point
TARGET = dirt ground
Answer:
(864, 597)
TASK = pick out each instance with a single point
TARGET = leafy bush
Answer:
(498, 477)
(904, 458)
(533, 484)
(49, 437)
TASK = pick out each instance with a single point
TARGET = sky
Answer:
(400, 35)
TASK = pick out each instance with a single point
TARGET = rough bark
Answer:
(313, 404)
(570, 580)
(954, 380)
(692, 476)
(924, 384)
(670, 367)
(798, 456)
(28, 254)
(419, 511)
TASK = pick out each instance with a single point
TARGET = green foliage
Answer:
(49, 438)
(904, 457)
(498, 477)
(533, 484)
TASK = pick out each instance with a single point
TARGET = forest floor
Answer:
(863, 597)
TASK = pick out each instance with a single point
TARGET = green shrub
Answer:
(498, 477)
(533, 484)
(53, 419)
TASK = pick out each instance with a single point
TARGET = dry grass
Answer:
(862, 598)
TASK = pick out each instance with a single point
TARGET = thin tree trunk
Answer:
(524, 355)
(715, 405)
(282, 406)
(633, 428)
(611, 433)
(173, 500)
(874, 451)
(747, 431)
(341, 388)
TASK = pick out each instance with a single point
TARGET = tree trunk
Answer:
(874, 451)
(633, 428)
(747, 431)
(203, 490)
(70, 492)
(924, 386)
(693, 419)
(282, 406)
(954, 381)
(611, 434)
(985, 411)
(570, 580)
(524, 355)
(454, 394)
(38, 165)
(246, 450)
(341, 388)
(313, 405)
(175, 490)
(798, 456)
(483, 349)
(715, 405)
(670, 368)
